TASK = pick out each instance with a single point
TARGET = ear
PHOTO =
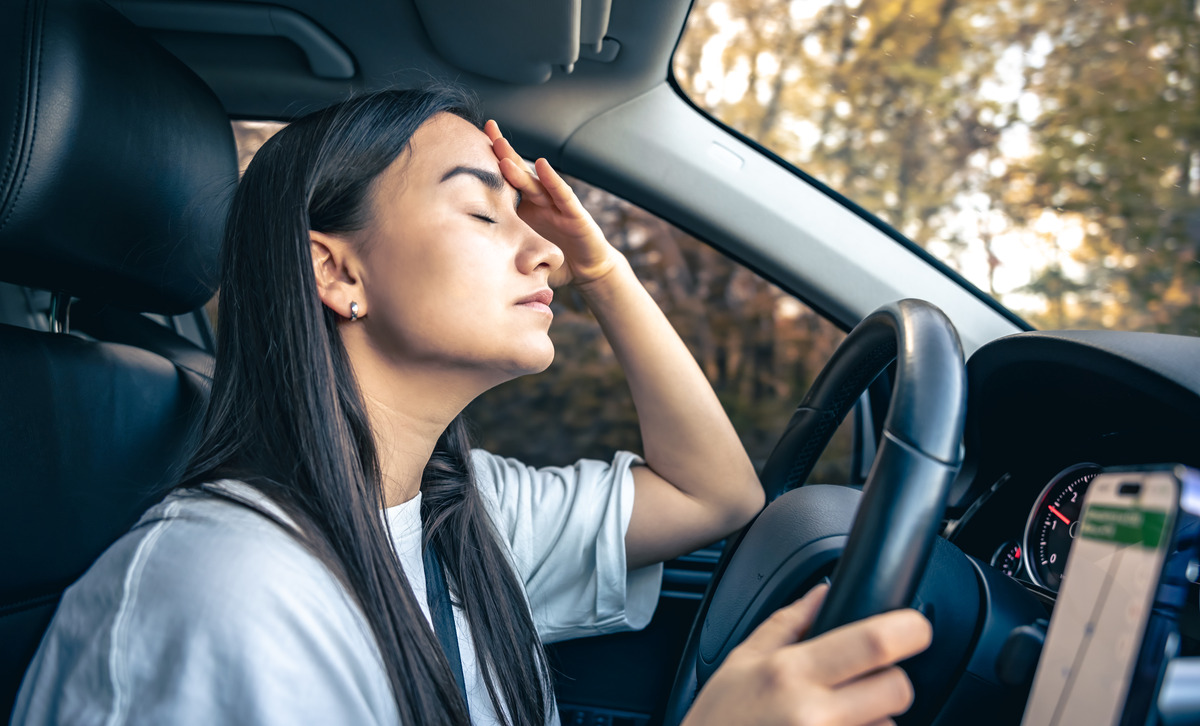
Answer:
(335, 267)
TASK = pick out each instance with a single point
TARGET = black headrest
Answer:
(116, 161)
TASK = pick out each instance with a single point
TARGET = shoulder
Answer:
(205, 595)
(205, 560)
(491, 469)
(197, 541)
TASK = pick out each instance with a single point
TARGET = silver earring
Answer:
(353, 311)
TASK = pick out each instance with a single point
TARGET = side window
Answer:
(249, 137)
(759, 347)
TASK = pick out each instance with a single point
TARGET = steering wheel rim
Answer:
(921, 331)
(901, 508)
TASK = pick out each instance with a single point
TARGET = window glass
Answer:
(250, 136)
(1048, 151)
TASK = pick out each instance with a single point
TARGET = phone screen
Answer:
(1104, 602)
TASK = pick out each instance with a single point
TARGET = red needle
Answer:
(1059, 515)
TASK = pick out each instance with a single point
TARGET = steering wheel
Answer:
(796, 540)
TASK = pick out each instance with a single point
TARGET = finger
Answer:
(853, 650)
(558, 188)
(504, 150)
(788, 624)
(516, 172)
(885, 693)
(492, 129)
(530, 187)
(501, 147)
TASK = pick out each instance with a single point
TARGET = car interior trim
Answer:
(326, 57)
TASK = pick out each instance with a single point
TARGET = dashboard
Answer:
(1046, 411)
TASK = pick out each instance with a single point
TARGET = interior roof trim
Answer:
(326, 56)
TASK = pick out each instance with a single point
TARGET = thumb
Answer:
(787, 625)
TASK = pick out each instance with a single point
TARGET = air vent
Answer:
(687, 577)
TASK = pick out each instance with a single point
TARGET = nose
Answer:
(536, 252)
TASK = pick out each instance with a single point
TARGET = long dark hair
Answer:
(286, 415)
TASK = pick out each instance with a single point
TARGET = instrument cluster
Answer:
(1040, 556)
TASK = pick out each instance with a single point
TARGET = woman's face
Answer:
(453, 278)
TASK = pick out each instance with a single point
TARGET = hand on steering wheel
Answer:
(846, 676)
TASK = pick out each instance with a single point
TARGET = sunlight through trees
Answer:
(1048, 151)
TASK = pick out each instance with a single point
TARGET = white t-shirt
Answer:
(207, 612)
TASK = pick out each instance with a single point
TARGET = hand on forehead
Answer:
(449, 150)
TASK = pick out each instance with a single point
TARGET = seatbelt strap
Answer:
(443, 618)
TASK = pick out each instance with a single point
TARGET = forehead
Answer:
(446, 141)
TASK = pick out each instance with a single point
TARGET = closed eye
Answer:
(484, 218)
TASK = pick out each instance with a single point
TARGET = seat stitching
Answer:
(34, 89)
(14, 149)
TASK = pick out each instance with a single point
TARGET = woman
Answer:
(385, 262)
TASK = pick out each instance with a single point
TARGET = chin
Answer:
(541, 362)
(538, 355)
(527, 363)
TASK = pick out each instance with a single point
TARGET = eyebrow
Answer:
(490, 179)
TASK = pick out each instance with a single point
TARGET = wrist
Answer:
(618, 275)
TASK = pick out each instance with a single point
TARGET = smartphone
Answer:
(1114, 623)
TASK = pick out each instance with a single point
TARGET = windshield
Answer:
(1047, 151)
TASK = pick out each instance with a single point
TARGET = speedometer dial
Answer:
(1007, 558)
(1054, 522)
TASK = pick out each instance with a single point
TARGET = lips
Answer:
(539, 300)
(543, 296)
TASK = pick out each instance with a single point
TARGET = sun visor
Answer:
(516, 42)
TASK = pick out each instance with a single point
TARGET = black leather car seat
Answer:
(116, 166)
